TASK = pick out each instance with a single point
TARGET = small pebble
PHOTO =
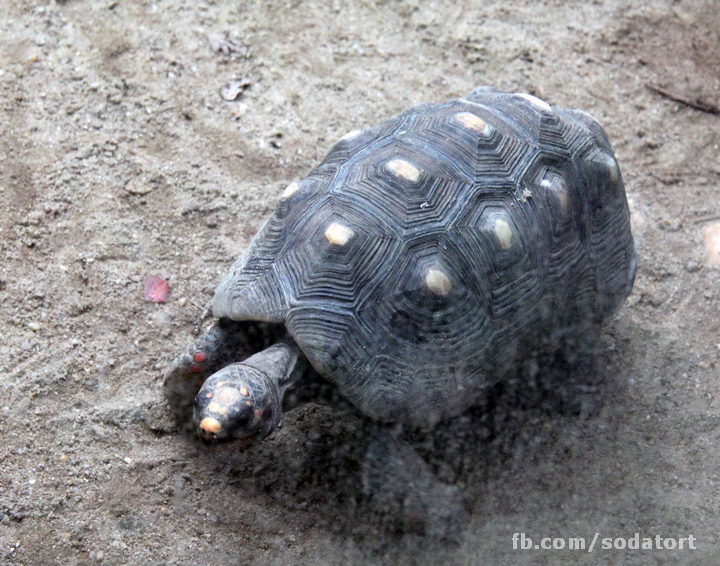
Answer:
(35, 326)
(693, 267)
(234, 89)
(139, 188)
(670, 224)
(156, 289)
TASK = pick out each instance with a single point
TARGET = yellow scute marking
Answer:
(504, 234)
(290, 189)
(438, 282)
(404, 169)
(338, 235)
(473, 122)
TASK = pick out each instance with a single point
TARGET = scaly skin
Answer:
(226, 342)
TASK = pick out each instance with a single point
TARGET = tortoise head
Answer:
(239, 403)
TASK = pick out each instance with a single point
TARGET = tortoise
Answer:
(414, 267)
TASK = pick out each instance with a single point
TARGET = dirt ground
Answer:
(120, 159)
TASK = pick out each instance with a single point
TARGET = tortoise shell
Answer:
(423, 257)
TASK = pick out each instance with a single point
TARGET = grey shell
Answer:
(424, 256)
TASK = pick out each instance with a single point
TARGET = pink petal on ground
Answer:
(156, 289)
(711, 235)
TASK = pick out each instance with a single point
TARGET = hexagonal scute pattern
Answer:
(425, 256)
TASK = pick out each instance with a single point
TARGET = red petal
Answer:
(156, 289)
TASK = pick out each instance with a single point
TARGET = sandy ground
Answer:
(119, 159)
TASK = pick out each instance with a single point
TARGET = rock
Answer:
(234, 89)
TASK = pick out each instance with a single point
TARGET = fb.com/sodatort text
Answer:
(521, 541)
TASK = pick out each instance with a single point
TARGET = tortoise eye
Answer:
(243, 420)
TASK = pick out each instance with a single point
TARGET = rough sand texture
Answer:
(119, 158)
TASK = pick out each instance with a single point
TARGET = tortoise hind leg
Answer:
(226, 342)
(578, 387)
(402, 487)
